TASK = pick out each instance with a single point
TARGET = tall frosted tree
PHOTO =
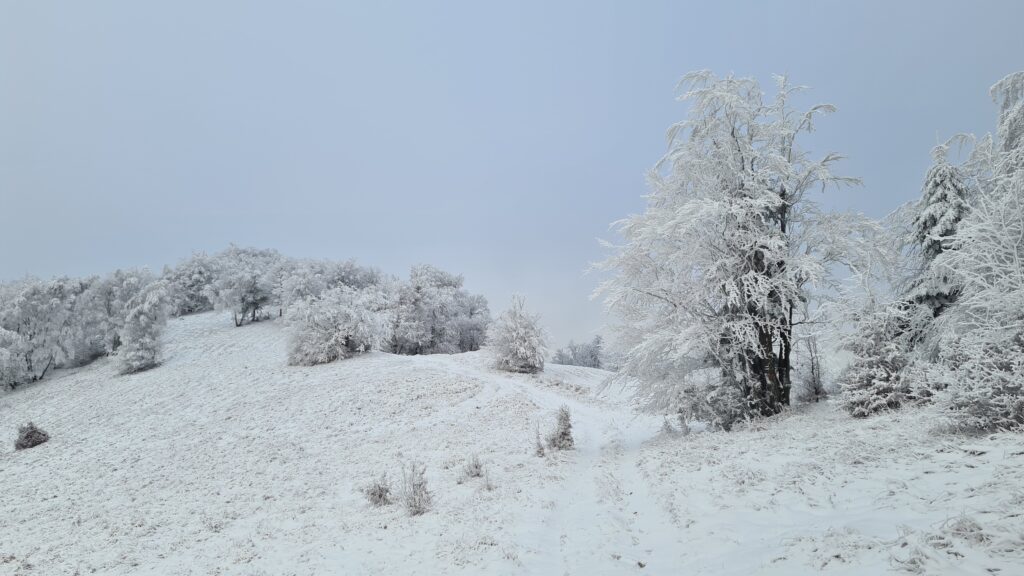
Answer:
(943, 204)
(986, 325)
(711, 283)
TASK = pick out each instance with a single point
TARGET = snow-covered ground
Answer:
(224, 460)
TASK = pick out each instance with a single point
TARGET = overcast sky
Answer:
(494, 139)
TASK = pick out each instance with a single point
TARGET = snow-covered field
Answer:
(224, 460)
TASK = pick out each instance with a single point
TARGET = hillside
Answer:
(224, 460)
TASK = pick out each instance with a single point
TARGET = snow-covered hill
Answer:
(224, 460)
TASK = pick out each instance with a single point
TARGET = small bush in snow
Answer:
(474, 468)
(704, 398)
(29, 435)
(561, 437)
(415, 495)
(538, 447)
(378, 492)
(519, 340)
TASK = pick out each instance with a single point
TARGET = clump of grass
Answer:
(561, 437)
(415, 495)
(378, 491)
(30, 436)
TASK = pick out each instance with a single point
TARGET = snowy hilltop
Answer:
(226, 459)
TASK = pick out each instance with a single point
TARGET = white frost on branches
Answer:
(719, 272)
(519, 341)
(338, 324)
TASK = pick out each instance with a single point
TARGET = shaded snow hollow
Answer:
(224, 460)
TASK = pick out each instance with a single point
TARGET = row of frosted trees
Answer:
(725, 283)
(334, 309)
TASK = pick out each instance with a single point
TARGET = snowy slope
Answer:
(224, 460)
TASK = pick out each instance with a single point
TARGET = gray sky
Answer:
(496, 140)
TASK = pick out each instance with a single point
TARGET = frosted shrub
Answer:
(874, 381)
(140, 337)
(29, 436)
(518, 340)
(561, 437)
(989, 390)
(12, 359)
(415, 495)
(434, 314)
(538, 446)
(341, 323)
(703, 398)
(378, 491)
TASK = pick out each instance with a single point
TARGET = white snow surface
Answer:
(224, 460)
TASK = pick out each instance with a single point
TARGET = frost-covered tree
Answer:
(143, 325)
(985, 328)
(244, 280)
(715, 274)
(434, 314)
(298, 279)
(189, 283)
(587, 354)
(874, 380)
(1008, 94)
(943, 204)
(519, 341)
(41, 313)
(100, 313)
(340, 323)
(474, 317)
(13, 370)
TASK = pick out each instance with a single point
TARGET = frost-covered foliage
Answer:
(13, 369)
(43, 316)
(943, 204)
(561, 437)
(987, 323)
(101, 312)
(243, 282)
(378, 491)
(434, 314)
(874, 380)
(519, 341)
(415, 495)
(189, 283)
(62, 322)
(337, 324)
(717, 272)
(587, 354)
(1008, 94)
(140, 336)
(30, 436)
(299, 280)
(957, 331)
